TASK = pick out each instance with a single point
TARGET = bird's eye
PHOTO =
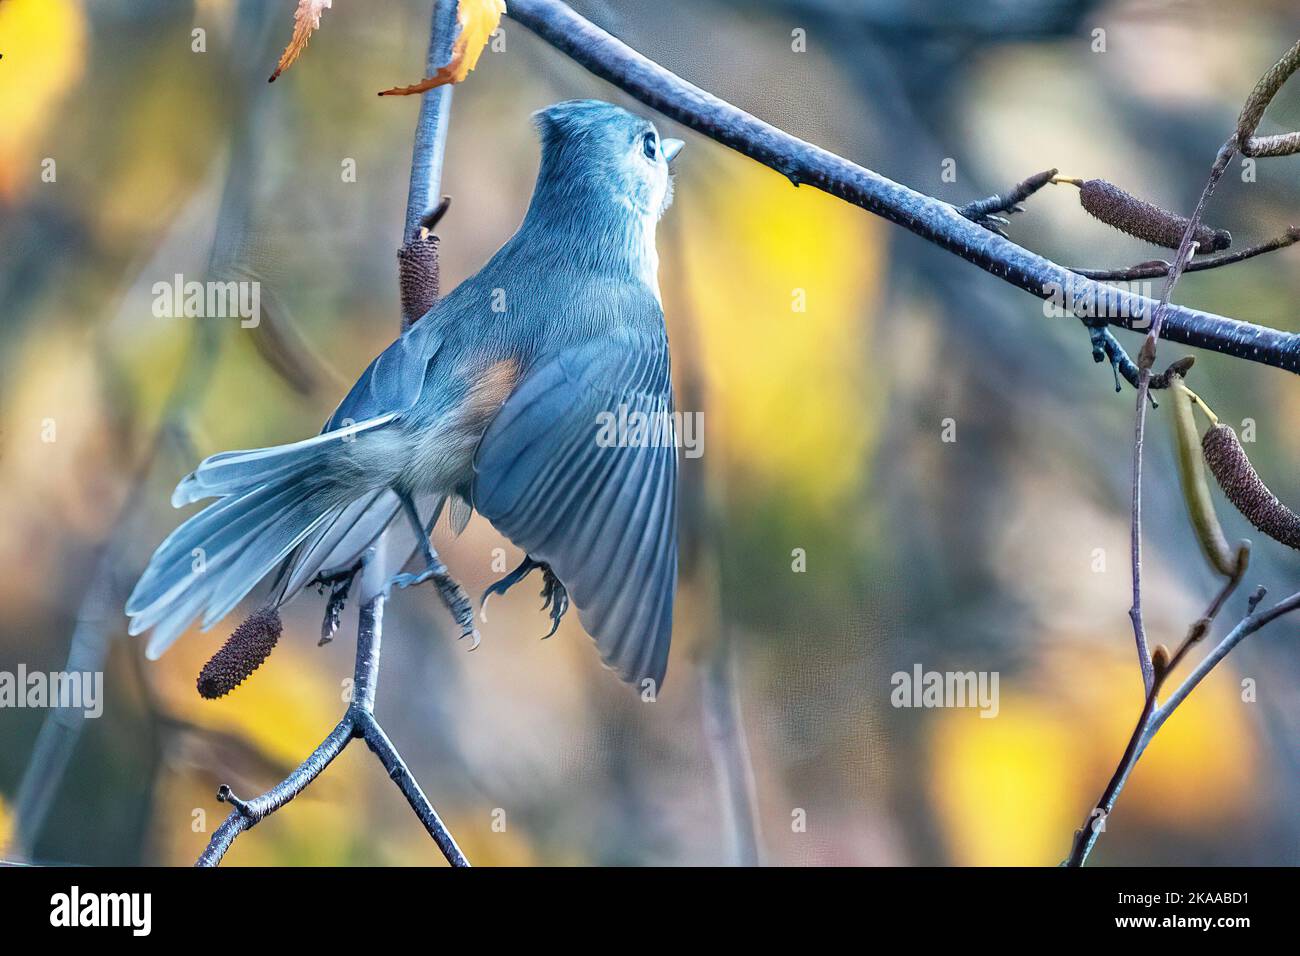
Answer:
(650, 145)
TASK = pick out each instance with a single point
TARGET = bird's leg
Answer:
(554, 595)
(452, 594)
(339, 584)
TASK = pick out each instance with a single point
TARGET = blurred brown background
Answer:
(822, 433)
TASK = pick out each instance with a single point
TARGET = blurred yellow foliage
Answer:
(6, 825)
(323, 826)
(286, 707)
(51, 430)
(781, 282)
(1198, 768)
(44, 55)
(1007, 789)
(1012, 790)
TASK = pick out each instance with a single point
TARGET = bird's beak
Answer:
(671, 148)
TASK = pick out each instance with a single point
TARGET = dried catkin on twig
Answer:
(1143, 220)
(1245, 489)
(243, 653)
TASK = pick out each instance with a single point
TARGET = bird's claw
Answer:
(506, 583)
(555, 597)
(339, 584)
(453, 596)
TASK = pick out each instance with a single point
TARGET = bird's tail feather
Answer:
(337, 543)
(234, 471)
(272, 501)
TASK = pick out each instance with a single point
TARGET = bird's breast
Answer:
(438, 455)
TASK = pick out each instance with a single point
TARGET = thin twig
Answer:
(1154, 717)
(1279, 144)
(248, 813)
(1158, 268)
(1146, 358)
(987, 212)
(931, 219)
(1085, 838)
(1249, 625)
(358, 721)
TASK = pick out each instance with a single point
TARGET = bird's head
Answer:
(595, 152)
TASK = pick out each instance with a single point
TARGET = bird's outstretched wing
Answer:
(558, 475)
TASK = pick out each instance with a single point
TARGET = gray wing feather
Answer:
(603, 518)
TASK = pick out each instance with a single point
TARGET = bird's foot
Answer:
(452, 594)
(554, 596)
(339, 583)
(407, 580)
(505, 584)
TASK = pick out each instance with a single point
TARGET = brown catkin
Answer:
(1141, 219)
(417, 275)
(242, 654)
(1245, 489)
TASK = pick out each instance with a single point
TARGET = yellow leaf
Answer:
(306, 20)
(478, 20)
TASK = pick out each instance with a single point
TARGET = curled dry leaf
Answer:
(306, 19)
(1196, 490)
(478, 20)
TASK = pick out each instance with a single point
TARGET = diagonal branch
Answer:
(1159, 268)
(932, 219)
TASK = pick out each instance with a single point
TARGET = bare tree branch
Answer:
(359, 721)
(1156, 670)
(932, 219)
(1153, 717)
(1158, 268)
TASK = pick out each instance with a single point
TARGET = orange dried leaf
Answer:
(478, 20)
(306, 19)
